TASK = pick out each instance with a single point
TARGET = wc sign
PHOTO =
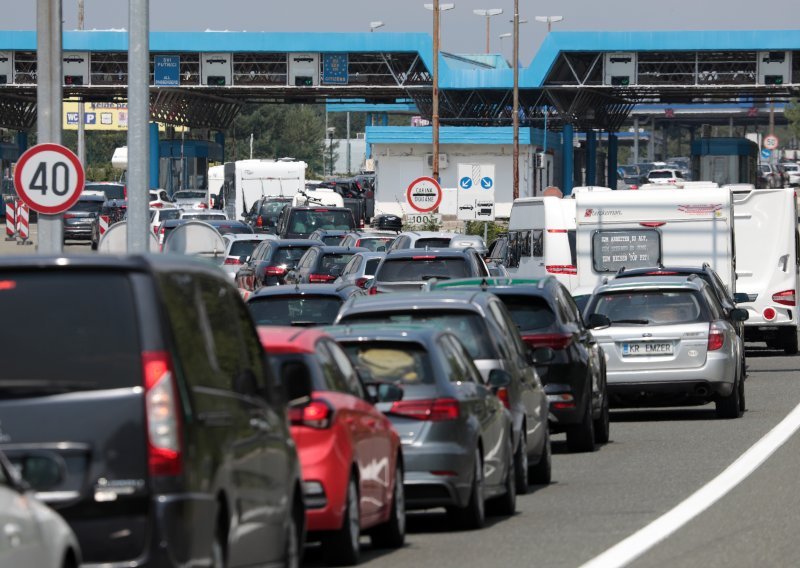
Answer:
(475, 195)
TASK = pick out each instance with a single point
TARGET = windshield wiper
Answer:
(639, 321)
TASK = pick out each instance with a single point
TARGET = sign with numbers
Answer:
(49, 178)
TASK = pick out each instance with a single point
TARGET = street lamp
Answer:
(331, 130)
(502, 37)
(515, 107)
(488, 13)
(437, 8)
(375, 25)
(549, 20)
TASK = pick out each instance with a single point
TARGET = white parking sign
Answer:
(49, 178)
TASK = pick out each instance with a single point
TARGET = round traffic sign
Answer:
(771, 142)
(424, 194)
(49, 178)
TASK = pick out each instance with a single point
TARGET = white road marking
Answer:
(646, 538)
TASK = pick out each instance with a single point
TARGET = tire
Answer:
(730, 406)
(473, 516)
(789, 341)
(294, 538)
(602, 426)
(580, 438)
(392, 533)
(742, 401)
(342, 547)
(218, 546)
(506, 504)
(521, 466)
(541, 473)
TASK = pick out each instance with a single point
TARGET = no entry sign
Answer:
(49, 178)
(424, 195)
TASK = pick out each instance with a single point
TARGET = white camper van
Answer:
(248, 180)
(541, 239)
(767, 264)
(634, 229)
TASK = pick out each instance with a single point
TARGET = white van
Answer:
(541, 239)
(635, 229)
(767, 264)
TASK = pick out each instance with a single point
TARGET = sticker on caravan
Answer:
(602, 213)
(715, 209)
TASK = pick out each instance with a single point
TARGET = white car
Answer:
(189, 199)
(665, 177)
(202, 215)
(238, 246)
(159, 199)
(33, 535)
(792, 173)
(158, 215)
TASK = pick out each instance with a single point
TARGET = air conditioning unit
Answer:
(443, 161)
(619, 69)
(774, 67)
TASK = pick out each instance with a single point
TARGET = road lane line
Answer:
(646, 538)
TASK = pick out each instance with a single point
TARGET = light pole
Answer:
(436, 7)
(488, 13)
(331, 130)
(375, 25)
(515, 107)
(549, 20)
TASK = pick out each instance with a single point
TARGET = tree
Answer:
(792, 113)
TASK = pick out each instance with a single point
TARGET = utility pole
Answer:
(348, 142)
(515, 107)
(49, 91)
(138, 125)
(435, 113)
(81, 126)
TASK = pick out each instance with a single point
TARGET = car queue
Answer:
(222, 432)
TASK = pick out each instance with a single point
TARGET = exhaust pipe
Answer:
(701, 390)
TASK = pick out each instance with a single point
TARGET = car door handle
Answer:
(259, 424)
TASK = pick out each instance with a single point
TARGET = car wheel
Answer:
(392, 534)
(742, 401)
(473, 516)
(729, 406)
(580, 438)
(218, 547)
(506, 504)
(541, 473)
(602, 426)
(521, 465)
(789, 341)
(342, 547)
(294, 538)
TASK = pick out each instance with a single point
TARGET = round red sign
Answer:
(49, 178)
(424, 194)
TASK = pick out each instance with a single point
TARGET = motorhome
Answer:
(767, 259)
(633, 229)
(245, 181)
(541, 239)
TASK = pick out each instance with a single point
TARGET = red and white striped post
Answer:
(23, 227)
(102, 224)
(11, 221)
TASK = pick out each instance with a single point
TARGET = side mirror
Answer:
(42, 471)
(740, 298)
(499, 378)
(296, 380)
(384, 392)
(598, 321)
(243, 259)
(739, 314)
(542, 355)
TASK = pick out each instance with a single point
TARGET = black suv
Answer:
(171, 429)
(263, 215)
(300, 222)
(271, 261)
(78, 220)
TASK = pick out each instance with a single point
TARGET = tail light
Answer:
(156, 205)
(561, 269)
(634, 187)
(361, 282)
(716, 336)
(316, 414)
(769, 314)
(162, 232)
(502, 394)
(232, 260)
(361, 224)
(275, 271)
(161, 409)
(551, 340)
(432, 410)
(202, 205)
(786, 298)
(69, 216)
(372, 290)
(320, 278)
(557, 231)
(259, 221)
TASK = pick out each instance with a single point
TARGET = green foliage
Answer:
(493, 231)
(792, 113)
(431, 225)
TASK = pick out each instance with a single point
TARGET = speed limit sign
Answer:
(49, 178)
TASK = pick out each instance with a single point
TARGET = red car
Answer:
(349, 452)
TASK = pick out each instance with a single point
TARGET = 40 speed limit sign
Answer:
(424, 194)
(49, 178)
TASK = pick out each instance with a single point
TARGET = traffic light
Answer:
(73, 80)
(773, 79)
(303, 81)
(215, 81)
(621, 80)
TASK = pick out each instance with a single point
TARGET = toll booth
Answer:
(183, 164)
(725, 160)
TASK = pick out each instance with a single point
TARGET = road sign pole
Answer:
(48, 103)
(138, 125)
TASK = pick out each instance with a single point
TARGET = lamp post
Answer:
(502, 37)
(549, 20)
(331, 130)
(437, 8)
(488, 13)
(375, 25)
(515, 107)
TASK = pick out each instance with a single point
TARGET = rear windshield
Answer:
(165, 214)
(91, 339)
(642, 307)
(288, 255)
(332, 240)
(416, 270)
(308, 221)
(374, 243)
(190, 195)
(372, 266)
(434, 242)
(397, 363)
(272, 209)
(330, 262)
(468, 326)
(242, 248)
(664, 174)
(87, 206)
(202, 216)
(233, 229)
(529, 313)
(111, 191)
(295, 310)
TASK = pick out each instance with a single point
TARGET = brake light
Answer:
(320, 278)
(562, 269)
(156, 205)
(232, 260)
(432, 410)
(316, 414)
(786, 298)
(372, 291)
(275, 270)
(769, 314)
(322, 210)
(662, 273)
(556, 230)
(69, 216)
(634, 187)
(716, 336)
(424, 257)
(551, 340)
(259, 221)
(161, 409)
(362, 282)
(202, 205)
(653, 224)
(502, 394)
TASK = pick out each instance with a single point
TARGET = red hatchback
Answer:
(349, 452)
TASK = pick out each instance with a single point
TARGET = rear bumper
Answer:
(331, 470)
(437, 475)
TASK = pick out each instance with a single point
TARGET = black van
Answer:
(145, 378)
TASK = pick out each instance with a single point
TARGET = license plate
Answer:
(646, 348)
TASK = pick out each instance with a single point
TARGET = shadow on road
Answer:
(664, 414)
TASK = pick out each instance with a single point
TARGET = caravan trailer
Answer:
(246, 181)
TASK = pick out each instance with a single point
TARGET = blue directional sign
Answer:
(465, 183)
(765, 154)
(334, 68)
(167, 71)
(90, 118)
(487, 182)
(72, 118)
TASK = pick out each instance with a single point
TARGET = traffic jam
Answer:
(284, 384)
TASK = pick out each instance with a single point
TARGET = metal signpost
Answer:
(138, 126)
